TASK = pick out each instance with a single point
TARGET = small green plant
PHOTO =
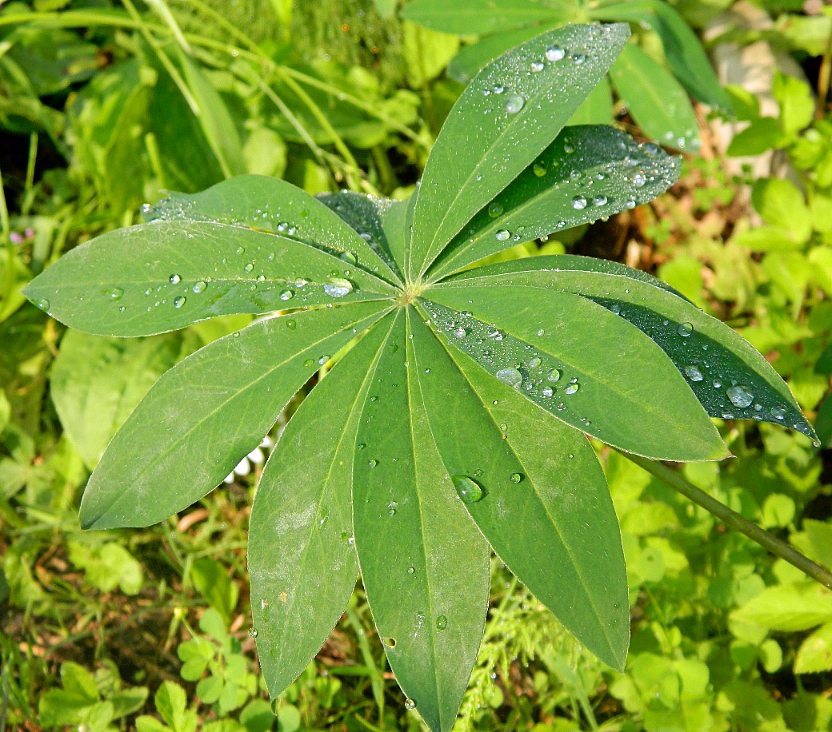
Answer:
(454, 418)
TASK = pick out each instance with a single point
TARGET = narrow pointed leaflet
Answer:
(199, 258)
(503, 120)
(209, 411)
(301, 521)
(729, 377)
(584, 364)
(587, 173)
(524, 475)
(424, 564)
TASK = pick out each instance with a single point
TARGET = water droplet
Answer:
(308, 363)
(515, 103)
(579, 203)
(467, 489)
(578, 59)
(599, 200)
(778, 412)
(411, 570)
(639, 180)
(536, 66)
(286, 295)
(502, 235)
(252, 632)
(248, 267)
(555, 53)
(510, 376)
(516, 477)
(534, 362)
(348, 257)
(199, 287)
(409, 704)
(460, 332)
(338, 287)
(323, 359)
(547, 391)
(291, 324)
(175, 279)
(554, 375)
(494, 210)
(539, 170)
(178, 302)
(572, 387)
(739, 396)
(114, 293)
(441, 622)
(389, 642)
(372, 463)
(568, 148)
(122, 309)
(693, 373)
(685, 329)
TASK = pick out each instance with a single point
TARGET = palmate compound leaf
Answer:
(503, 120)
(587, 173)
(424, 564)
(209, 411)
(729, 377)
(534, 488)
(301, 521)
(581, 362)
(247, 245)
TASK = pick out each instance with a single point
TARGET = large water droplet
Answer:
(639, 180)
(348, 257)
(389, 642)
(515, 103)
(467, 489)
(441, 622)
(338, 287)
(252, 632)
(502, 235)
(555, 53)
(287, 295)
(248, 267)
(693, 373)
(409, 704)
(534, 362)
(175, 279)
(536, 66)
(554, 375)
(510, 376)
(516, 477)
(199, 287)
(178, 302)
(579, 203)
(599, 200)
(547, 391)
(114, 293)
(572, 387)
(685, 329)
(739, 396)
(778, 412)
(539, 169)
(494, 210)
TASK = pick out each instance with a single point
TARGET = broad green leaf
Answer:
(781, 204)
(554, 348)
(682, 49)
(96, 382)
(379, 221)
(209, 411)
(710, 354)
(470, 17)
(248, 245)
(796, 101)
(523, 475)
(788, 608)
(815, 653)
(585, 174)
(424, 564)
(503, 120)
(657, 102)
(596, 108)
(761, 135)
(301, 521)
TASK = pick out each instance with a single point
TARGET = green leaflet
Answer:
(556, 349)
(538, 480)
(585, 174)
(469, 17)
(596, 108)
(96, 382)
(503, 120)
(301, 521)
(424, 564)
(729, 377)
(654, 98)
(183, 268)
(209, 411)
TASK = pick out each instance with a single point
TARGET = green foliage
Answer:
(456, 412)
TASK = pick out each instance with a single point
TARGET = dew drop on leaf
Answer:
(516, 477)
(409, 704)
(494, 210)
(539, 170)
(599, 200)
(338, 287)
(175, 279)
(578, 203)
(372, 463)
(555, 53)
(554, 375)
(248, 267)
(536, 66)
(348, 257)
(639, 180)
(291, 324)
(441, 622)
(777, 412)
(308, 363)
(178, 302)
(467, 489)
(685, 329)
(199, 287)
(389, 642)
(510, 376)
(534, 362)
(739, 396)
(515, 103)
(547, 391)
(572, 387)
(252, 632)
(114, 293)
(693, 373)
(287, 295)
(502, 235)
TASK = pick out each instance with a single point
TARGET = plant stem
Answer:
(733, 519)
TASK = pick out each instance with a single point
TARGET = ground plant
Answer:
(457, 408)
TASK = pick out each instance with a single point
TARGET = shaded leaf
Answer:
(301, 521)
(209, 411)
(815, 653)
(424, 564)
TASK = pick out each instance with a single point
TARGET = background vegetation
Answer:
(105, 103)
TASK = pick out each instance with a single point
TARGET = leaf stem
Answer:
(734, 520)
